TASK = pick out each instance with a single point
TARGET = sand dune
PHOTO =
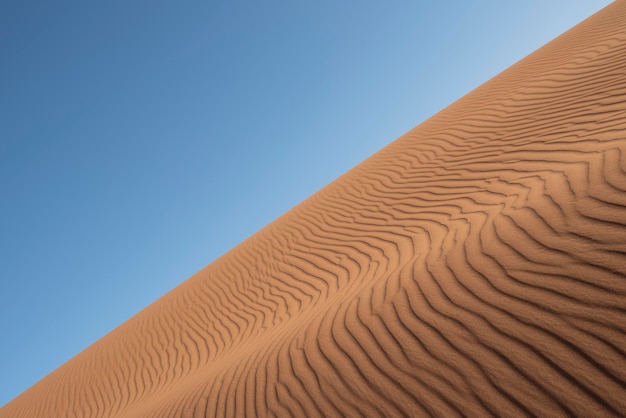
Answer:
(474, 267)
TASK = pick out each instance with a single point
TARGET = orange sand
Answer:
(476, 266)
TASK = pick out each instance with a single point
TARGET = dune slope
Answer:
(474, 267)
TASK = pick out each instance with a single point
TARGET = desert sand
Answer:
(476, 266)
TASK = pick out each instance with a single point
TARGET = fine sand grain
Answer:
(474, 267)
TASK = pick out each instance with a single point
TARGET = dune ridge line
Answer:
(476, 266)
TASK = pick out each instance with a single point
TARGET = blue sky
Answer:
(141, 140)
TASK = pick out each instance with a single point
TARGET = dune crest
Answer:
(474, 267)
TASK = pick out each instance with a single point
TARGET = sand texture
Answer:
(476, 266)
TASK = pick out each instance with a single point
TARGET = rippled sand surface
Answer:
(474, 267)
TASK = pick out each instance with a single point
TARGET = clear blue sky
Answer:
(141, 140)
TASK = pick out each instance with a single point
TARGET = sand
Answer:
(474, 267)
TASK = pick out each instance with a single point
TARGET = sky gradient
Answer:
(139, 141)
